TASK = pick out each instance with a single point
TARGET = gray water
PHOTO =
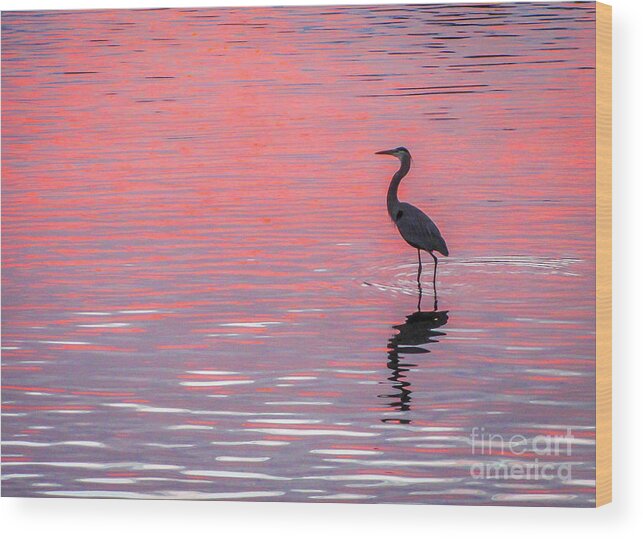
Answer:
(203, 296)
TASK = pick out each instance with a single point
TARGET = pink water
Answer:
(203, 296)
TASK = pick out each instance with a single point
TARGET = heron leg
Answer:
(435, 273)
(419, 281)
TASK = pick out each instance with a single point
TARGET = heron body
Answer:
(415, 226)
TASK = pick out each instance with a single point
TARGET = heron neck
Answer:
(391, 198)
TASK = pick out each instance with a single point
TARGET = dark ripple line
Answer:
(421, 93)
(510, 63)
(456, 20)
(492, 56)
(443, 87)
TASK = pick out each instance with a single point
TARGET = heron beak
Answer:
(384, 152)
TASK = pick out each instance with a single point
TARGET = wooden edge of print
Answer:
(603, 254)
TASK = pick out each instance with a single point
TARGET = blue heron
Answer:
(415, 226)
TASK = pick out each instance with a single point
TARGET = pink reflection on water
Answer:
(193, 190)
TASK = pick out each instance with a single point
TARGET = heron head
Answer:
(401, 152)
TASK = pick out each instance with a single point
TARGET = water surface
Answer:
(203, 296)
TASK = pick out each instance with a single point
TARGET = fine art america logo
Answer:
(521, 457)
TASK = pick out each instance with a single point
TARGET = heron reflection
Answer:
(410, 339)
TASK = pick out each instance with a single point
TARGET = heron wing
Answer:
(417, 228)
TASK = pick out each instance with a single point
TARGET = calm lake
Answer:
(204, 297)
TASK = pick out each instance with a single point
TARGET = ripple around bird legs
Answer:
(402, 278)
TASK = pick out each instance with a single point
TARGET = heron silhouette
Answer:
(415, 226)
